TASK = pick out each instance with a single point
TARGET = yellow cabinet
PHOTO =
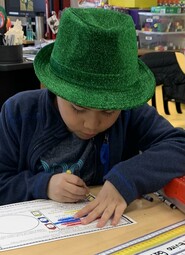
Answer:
(133, 3)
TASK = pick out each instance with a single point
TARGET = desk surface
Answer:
(145, 51)
(150, 216)
(16, 66)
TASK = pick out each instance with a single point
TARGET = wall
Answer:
(2, 3)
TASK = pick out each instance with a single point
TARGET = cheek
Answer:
(70, 118)
(115, 117)
(111, 121)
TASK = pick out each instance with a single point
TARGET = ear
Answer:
(181, 60)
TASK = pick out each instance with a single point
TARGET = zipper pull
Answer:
(104, 154)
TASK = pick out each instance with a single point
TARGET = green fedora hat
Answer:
(94, 61)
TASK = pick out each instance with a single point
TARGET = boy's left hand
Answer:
(108, 204)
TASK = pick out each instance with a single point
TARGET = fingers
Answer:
(75, 180)
(86, 210)
(108, 205)
(66, 188)
(75, 188)
(97, 213)
(103, 213)
(74, 193)
(119, 210)
(106, 215)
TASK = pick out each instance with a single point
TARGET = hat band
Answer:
(99, 81)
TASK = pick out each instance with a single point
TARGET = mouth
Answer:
(87, 136)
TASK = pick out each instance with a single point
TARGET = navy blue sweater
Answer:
(145, 151)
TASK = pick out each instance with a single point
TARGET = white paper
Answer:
(34, 222)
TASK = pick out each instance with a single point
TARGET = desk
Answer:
(12, 79)
(150, 216)
(28, 42)
(141, 52)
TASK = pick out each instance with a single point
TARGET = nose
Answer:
(92, 123)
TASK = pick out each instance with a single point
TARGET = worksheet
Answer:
(39, 221)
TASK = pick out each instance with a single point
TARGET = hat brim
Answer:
(138, 94)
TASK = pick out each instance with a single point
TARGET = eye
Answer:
(108, 113)
(77, 109)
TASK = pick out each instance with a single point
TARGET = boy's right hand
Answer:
(66, 187)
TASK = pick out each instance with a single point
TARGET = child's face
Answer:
(85, 122)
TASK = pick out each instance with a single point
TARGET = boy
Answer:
(92, 121)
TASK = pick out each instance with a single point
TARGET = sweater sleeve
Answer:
(17, 182)
(161, 157)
